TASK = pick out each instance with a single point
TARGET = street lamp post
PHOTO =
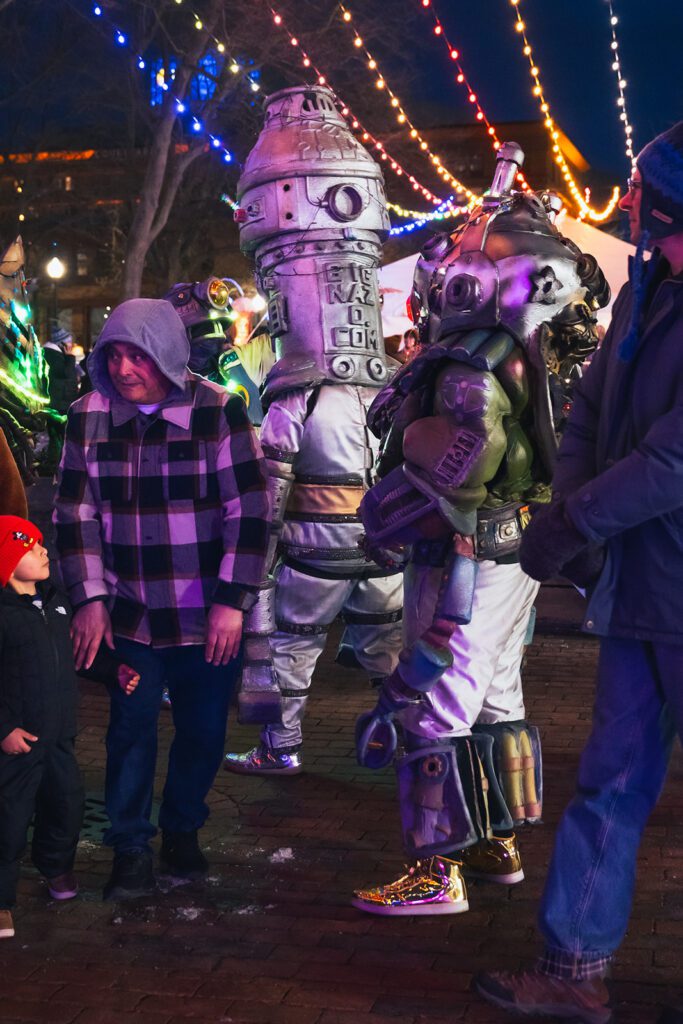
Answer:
(55, 270)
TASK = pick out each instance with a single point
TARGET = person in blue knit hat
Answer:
(617, 515)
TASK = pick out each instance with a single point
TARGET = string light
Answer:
(402, 116)
(181, 106)
(355, 123)
(621, 83)
(443, 212)
(462, 79)
(235, 66)
(588, 211)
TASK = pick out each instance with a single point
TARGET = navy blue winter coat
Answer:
(620, 468)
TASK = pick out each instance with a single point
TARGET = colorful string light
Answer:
(621, 82)
(234, 65)
(402, 117)
(462, 79)
(365, 135)
(586, 209)
(443, 212)
(181, 105)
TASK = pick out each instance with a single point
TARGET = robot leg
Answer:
(518, 766)
(443, 811)
(373, 616)
(442, 797)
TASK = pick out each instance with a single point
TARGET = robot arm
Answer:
(448, 459)
(281, 433)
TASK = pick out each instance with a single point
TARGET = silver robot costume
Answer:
(312, 212)
(505, 310)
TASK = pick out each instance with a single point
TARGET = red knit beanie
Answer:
(17, 536)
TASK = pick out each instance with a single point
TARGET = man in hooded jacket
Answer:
(162, 524)
(617, 514)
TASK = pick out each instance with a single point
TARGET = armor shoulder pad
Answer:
(291, 374)
(482, 349)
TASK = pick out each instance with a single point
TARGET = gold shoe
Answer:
(495, 860)
(433, 886)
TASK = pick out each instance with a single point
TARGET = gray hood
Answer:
(153, 326)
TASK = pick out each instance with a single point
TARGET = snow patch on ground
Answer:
(188, 913)
(282, 855)
(165, 883)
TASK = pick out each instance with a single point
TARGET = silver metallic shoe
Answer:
(261, 760)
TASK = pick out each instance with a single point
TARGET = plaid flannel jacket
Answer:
(165, 515)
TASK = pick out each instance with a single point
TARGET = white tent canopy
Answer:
(396, 279)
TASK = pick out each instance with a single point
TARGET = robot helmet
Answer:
(508, 266)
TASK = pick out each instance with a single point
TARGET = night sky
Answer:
(571, 40)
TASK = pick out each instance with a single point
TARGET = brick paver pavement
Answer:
(271, 938)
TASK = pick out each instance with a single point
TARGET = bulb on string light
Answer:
(141, 64)
(120, 39)
(97, 10)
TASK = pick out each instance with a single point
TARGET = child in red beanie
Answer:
(39, 774)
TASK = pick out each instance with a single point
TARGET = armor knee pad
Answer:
(518, 766)
(499, 812)
(442, 798)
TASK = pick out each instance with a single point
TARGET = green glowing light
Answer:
(21, 312)
(21, 391)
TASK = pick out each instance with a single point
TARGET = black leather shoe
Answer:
(131, 876)
(180, 855)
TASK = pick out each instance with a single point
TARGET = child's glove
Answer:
(127, 678)
(16, 742)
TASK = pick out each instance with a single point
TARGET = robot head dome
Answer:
(508, 266)
(313, 214)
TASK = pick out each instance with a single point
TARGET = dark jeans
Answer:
(200, 696)
(46, 782)
(638, 710)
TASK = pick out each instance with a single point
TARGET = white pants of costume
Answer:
(310, 605)
(484, 683)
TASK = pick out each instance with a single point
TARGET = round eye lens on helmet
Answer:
(218, 293)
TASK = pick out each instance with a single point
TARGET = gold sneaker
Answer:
(433, 886)
(494, 860)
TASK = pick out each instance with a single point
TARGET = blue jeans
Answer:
(200, 696)
(638, 710)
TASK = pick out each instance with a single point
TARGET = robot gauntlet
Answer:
(421, 665)
(259, 695)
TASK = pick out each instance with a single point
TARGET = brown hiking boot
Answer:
(532, 994)
(493, 860)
